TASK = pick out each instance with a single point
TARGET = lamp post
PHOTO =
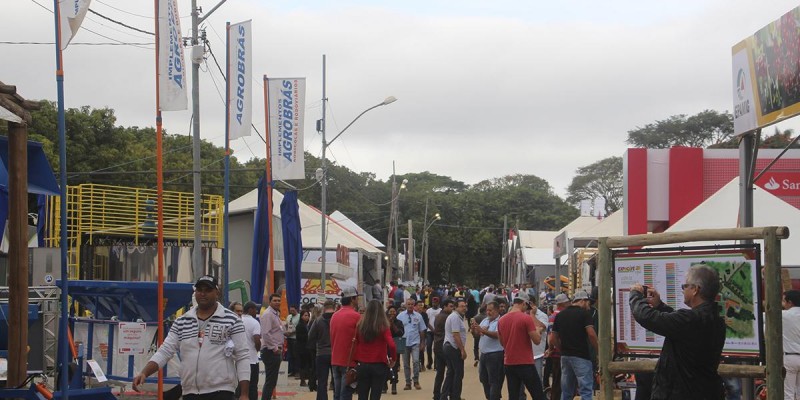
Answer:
(323, 176)
(436, 217)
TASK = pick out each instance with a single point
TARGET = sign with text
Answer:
(132, 337)
(766, 79)
(780, 183)
(738, 298)
(287, 108)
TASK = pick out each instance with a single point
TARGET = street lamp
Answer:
(436, 217)
(323, 176)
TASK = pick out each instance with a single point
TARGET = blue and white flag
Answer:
(171, 68)
(240, 94)
(287, 109)
(71, 13)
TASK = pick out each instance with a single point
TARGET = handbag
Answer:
(350, 374)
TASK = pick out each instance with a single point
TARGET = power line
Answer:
(120, 23)
(81, 43)
(123, 11)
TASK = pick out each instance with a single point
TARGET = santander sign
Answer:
(781, 183)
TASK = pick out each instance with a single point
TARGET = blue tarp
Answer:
(41, 179)
(292, 246)
(129, 301)
(258, 270)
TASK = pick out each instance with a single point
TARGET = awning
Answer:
(41, 179)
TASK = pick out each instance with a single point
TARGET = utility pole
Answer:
(410, 252)
(389, 240)
(198, 51)
(503, 258)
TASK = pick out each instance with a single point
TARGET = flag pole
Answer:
(271, 287)
(62, 166)
(225, 254)
(160, 203)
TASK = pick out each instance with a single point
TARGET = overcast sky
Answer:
(485, 88)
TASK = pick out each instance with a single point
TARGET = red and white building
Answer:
(663, 185)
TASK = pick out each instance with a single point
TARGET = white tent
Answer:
(721, 210)
(310, 222)
(348, 224)
(609, 226)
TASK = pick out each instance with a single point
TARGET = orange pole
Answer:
(269, 191)
(71, 343)
(160, 204)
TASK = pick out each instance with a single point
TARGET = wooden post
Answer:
(17, 254)
(604, 354)
(774, 331)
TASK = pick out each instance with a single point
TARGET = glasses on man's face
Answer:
(687, 285)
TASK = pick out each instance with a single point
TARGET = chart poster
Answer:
(738, 298)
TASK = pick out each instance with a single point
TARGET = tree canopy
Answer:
(599, 179)
(465, 246)
(703, 129)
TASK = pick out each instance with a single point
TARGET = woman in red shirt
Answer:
(373, 343)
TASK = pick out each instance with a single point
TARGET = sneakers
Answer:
(394, 388)
(429, 366)
(417, 386)
(407, 387)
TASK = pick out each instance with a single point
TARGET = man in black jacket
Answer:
(687, 367)
(320, 334)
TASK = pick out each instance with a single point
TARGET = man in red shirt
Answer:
(517, 330)
(343, 331)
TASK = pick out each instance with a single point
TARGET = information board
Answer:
(738, 299)
(131, 340)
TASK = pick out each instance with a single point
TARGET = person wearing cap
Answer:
(517, 330)
(414, 327)
(201, 336)
(553, 356)
(272, 335)
(343, 333)
(573, 331)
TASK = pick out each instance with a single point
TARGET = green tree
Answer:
(778, 140)
(599, 179)
(703, 129)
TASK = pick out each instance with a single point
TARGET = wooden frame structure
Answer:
(17, 232)
(772, 369)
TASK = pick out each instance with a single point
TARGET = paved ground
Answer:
(289, 388)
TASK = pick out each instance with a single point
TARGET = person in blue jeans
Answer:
(573, 331)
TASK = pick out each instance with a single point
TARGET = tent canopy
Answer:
(41, 179)
(721, 210)
(309, 223)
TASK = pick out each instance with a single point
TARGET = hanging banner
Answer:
(766, 77)
(71, 13)
(287, 108)
(240, 95)
(171, 68)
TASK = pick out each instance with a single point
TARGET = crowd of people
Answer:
(531, 343)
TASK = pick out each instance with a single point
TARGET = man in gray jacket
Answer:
(320, 334)
(204, 336)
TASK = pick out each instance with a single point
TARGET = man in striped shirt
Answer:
(208, 334)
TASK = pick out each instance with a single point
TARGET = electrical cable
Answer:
(121, 23)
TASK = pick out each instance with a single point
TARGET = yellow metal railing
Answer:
(97, 212)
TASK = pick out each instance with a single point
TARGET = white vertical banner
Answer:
(240, 95)
(171, 68)
(71, 13)
(287, 108)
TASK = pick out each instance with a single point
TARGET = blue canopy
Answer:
(41, 179)
(292, 246)
(129, 301)
(258, 269)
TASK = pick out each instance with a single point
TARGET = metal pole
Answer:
(197, 252)
(323, 189)
(746, 162)
(424, 240)
(389, 242)
(425, 252)
(410, 252)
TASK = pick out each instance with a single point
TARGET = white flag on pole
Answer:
(171, 68)
(287, 109)
(240, 95)
(71, 13)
